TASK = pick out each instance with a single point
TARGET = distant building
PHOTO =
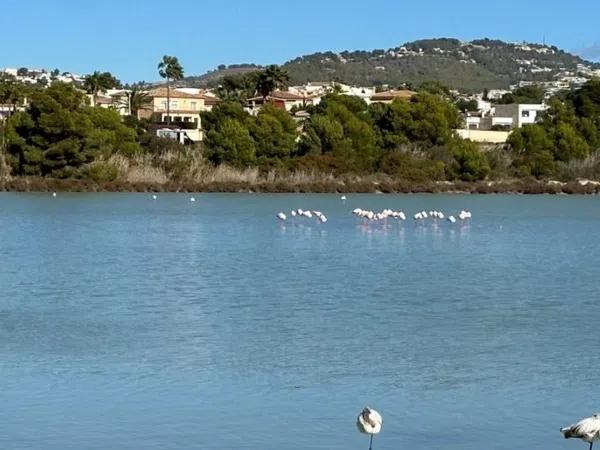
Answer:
(184, 111)
(515, 115)
(282, 99)
(116, 99)
(495, 125)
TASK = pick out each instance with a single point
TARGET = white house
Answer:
(515, 116)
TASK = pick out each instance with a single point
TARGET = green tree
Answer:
(467, 105)
(274, 132)
(533, 150)
(170, 69)
(524, 95)
(223, 111)
(12, 92)
(271, 79)
(238, 87)
(470, 164)
(427, 120)
(98, 82)
(435, 88)
(344, 129)
(230, 142)
(58, 134)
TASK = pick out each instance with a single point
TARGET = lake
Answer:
(133, 323)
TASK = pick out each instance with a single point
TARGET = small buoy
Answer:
(192, 199)
(154, 197)
(54, 194)
(343, 197)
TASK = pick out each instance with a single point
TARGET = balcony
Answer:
(178, 124)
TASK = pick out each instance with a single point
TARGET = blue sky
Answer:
(128, 37)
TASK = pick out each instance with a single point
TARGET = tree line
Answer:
(411, 139)
(61, 135)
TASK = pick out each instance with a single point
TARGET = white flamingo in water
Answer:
(587, 430)
(281, 216)
(369, 422)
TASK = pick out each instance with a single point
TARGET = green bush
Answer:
(102, 172)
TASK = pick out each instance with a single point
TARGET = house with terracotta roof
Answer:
(281, 99)
(184, 111)
(391, 95)
(116, 99)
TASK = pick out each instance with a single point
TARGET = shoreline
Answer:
(516, 187)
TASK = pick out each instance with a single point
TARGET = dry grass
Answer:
(581, 168)
(4, 168)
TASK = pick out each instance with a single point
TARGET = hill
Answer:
(467, 66)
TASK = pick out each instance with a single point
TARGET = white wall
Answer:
(528, 114)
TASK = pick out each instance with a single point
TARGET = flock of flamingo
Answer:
(418, 217)
(301, 213)
(369, 422)
(371, 216)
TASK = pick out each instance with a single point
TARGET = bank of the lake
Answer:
(327, 184)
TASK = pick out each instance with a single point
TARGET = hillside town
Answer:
(181, 119)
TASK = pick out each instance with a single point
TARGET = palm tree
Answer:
(170, 69)
(137, 100)
(271, 79)
(97, 82)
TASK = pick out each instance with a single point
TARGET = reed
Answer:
(588, 168)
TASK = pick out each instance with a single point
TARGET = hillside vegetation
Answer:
(468, 66)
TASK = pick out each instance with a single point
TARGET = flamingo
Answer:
(293, 213)
(369, 422)
(587, 430)
(281, 216)
(452, 219)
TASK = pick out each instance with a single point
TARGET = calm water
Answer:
(128, 323)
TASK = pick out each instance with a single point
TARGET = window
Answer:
(194, 105)
(174, 105)
(163, 105)
(525, 113)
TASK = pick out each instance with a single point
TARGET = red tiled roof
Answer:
(162, 92)
(281, 95)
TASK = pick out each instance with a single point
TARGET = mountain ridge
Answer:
(465, 65)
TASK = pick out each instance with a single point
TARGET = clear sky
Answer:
(128, 37)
